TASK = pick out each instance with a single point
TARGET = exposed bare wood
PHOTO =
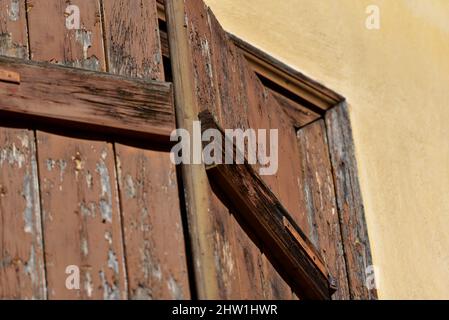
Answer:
(151, 214)
(255, 202)
(196, 187)
(132, 40)
(9, 76)
(152, 226)
(60, 40)
(349, 201)
(21, 250)
(81, 217)
(13, 29)
(317, 185)
(87, 97)
(22, 269)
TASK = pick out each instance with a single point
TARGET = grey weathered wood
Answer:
(317, 185)
(89, 98)
(349, 201)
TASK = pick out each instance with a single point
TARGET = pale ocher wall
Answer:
(396, 81)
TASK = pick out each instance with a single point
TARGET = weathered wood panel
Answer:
(279, 234)
(321, 207)
(89, 98)
(22, 270)
(78, 179)
(235, 109)
(349, 202)
(81, 217)
(152, 224)
(223, 86)
(132, 38)
(13, 30)
(155, 255)
(67, 33)
(21, 253)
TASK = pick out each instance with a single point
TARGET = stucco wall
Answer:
(396, 80)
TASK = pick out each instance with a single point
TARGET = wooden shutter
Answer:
(109, 205)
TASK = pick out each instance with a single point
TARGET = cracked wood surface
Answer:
(80, 179)
(22, 269)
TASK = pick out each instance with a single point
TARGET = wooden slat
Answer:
(155, 255)
(322, 215)
(132, 40)
(259, 207)
(349, 202)
(152, 225)
(81, 217)
(84, 219)
(22, 270)
(52, 41)
(21, 252)
(87, 97)
(13, 30)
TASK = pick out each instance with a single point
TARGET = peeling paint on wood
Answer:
(51, 41)
(349, 201)
(132, 39)
(14, 10)
(21, 253)
(82, 225)
(13, 29)
(155, 255)
(318, 186)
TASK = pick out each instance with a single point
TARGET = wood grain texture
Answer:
(132, 38)
(80, 202)
(260, 208)
(152, 225)
(13, 29)
(195, 182)
(349, 201)
(154, 239)
(220, 87)
(212, 65)
(89, 98)
(22, 273)
(59, 40)
(81, 217)
(321, 207)
(22, 269)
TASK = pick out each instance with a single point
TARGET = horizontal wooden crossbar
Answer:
(270, 221)
(87, 98)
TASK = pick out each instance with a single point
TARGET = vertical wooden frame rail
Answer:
(194, 176)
